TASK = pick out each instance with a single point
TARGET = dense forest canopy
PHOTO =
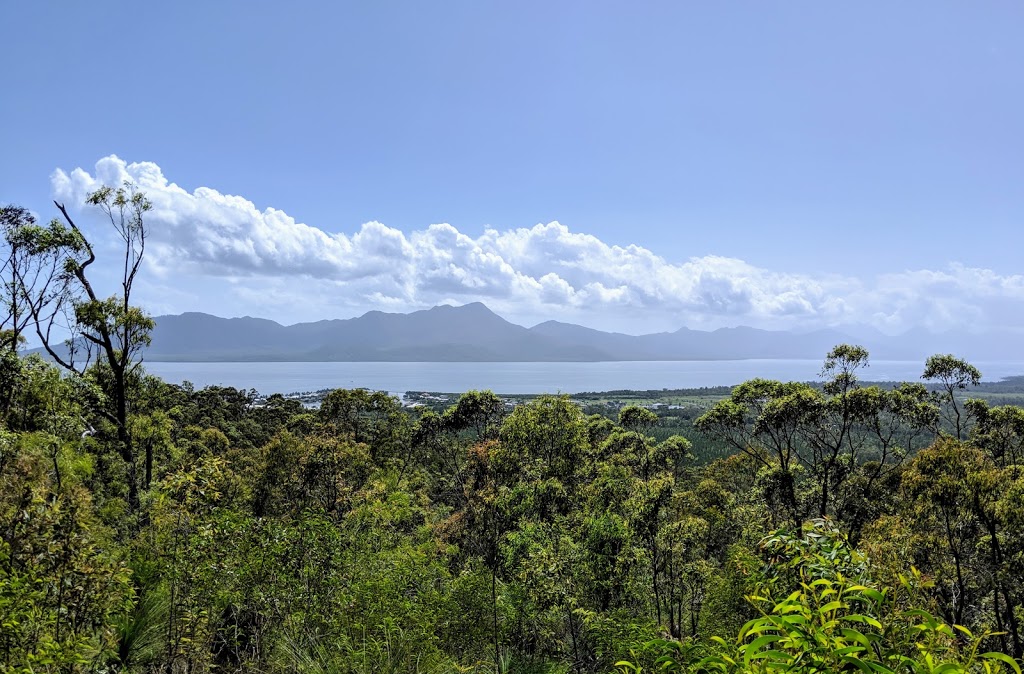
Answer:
(146, 526)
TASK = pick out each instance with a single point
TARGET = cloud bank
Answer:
(242, 259)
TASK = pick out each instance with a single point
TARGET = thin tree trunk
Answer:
(494, 624)
(149, 462)
(494, 595)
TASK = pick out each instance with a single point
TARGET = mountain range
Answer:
(473, 333)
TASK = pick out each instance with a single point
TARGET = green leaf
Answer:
(1004, 658)
(848, 650)
(964, 630)
(867, 620)
(757, 644)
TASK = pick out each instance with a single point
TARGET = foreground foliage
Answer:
(836, 620)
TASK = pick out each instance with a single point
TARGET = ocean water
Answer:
(517, 378)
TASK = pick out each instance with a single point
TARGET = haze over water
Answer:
(515, 378)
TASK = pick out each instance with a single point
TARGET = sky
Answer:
(628, 166)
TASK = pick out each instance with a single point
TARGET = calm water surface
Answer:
(528, 377)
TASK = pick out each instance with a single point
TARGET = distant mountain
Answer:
(467, 333)
(686, 344)
(473, 333)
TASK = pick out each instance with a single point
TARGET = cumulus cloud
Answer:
(542, 271)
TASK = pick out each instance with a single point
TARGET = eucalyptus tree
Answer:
(21, 269)
(372, 418)
(17, 264)
(999, 431)
(539, 470)
(479, 412)
(650, 485)
(854, 430)
(764, 420)
(831, 423)
(546, 441)
(893, 424)
(441, 440)
(898, 420)
(952, 374)
(963, 509)
(78, 328)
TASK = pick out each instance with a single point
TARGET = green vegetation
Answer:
(837, 527)
(847, 531)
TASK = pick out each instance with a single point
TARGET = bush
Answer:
(820, 613)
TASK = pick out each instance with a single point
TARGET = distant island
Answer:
(474, 333)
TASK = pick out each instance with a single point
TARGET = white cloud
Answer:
(545, 271)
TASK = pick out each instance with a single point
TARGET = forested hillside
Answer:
(149, 527)
(853, 527)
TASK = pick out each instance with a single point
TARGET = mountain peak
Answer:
(472, 307)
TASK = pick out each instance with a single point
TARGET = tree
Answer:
(14, 221)
(895, 423)
(374, 419)
(546, 439)
(962, 511)
(20, 268)
(637, 419)
(953, 374)
(820, 611)
(764, 419)
(898, 420)
(831, 422)
(478, 411)
(942, 488)
(107, 334)
(999, 431)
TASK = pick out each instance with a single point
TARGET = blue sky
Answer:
(787, 164)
